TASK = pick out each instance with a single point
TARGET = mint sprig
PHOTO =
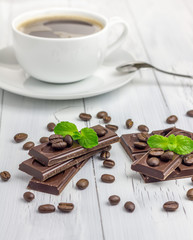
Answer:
(87, 137)
(179, 144)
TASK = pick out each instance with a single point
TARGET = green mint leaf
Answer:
(67, 128)
(76, 136)
(88, 138)
(172, 144)
(184, 145)
(158, 141)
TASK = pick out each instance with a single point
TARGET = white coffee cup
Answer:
(64, 60)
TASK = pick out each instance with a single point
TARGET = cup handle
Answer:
(112, 22)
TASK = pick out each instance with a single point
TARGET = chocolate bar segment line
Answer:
(57, 183)
(44, 153)
(41, 172)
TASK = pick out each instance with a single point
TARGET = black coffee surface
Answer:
(60, 27)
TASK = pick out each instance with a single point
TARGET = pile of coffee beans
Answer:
(59, 142)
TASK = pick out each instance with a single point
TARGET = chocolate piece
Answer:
(46, 155)
(57, 183)
(182, 171)
(41, 172)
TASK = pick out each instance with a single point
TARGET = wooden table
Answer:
(160, 32)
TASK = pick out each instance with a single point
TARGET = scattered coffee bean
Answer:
(171, 206)
(66, 207)
(109, 163)
(143, 128)
(82, 184)
(107, 178)
(51, 126)
(85, 116)
(113, 128)
(20, 137)
(5, 176)
(46, 208)
(129, 206)
(172, 119)
(28, 196)
(106, 119)
(167, 156)
(114, 199)
(190, 113)
(28, 145)
(140, 145)
(44, 139)
(156, 152)
(188, 160)
(108, 148)
(100, 131)
(143, 136)
(129, 123)
(102, 114)
(104, 155)
(55, 138)
(192, 179)
(59, 145)
(153, 161)
(190, 194)
(68, 139)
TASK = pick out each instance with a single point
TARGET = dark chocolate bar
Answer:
(46, 155)
(41, 172)
(182, 171)
(57, 183)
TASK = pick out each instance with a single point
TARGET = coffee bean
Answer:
(167, 156)
(102, 114)
(190, 194)
(28, 145)
(51, 126)
(143, 128)
(172, 119)
(68, 139)
(108, 148)
(190, 113)
(107, 178)
(156, 152)
(171, 206)
(5, 176)
(104, 155)
(129, 123)
(129, 206)
(140, 145)
(44, 139)
(188, 160)
(59, 145)
(153, 161)
(82, 184)
(100, 131)
(28, 196)
(65, 207)
(192, 179)
(55, 138)
(143, 136)
(113, 128)
(20, 137)
(106, 119)
(46, 208)
(85, 116)
(114, 199)
(109, 163)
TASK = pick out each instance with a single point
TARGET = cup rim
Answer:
(68, 10)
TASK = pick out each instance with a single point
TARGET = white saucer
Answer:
(14, 79)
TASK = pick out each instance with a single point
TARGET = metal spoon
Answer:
(134, 66)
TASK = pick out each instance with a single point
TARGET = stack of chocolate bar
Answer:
(53, 169)
(165, 165)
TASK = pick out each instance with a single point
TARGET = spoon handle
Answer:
(172, 73)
